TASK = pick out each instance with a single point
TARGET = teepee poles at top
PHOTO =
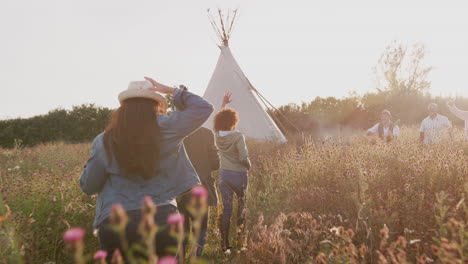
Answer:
(232, 22)
(223, 28)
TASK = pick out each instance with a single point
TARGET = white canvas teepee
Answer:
(255, 122)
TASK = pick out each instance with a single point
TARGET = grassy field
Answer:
(343, 200)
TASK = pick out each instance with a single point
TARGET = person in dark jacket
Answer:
(202, 152)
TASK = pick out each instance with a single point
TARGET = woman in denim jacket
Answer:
(141, 153)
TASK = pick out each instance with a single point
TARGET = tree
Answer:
(401, 82)
(400, 70)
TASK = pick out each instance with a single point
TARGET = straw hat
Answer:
(139, 89)
(387, 112)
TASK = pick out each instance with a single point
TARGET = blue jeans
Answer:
(230, 183)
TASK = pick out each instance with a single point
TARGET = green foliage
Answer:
(81, 124)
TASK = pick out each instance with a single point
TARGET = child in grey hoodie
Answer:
(233, 177)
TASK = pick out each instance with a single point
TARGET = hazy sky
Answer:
(59, 53)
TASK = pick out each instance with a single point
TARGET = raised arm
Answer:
(194, 110)
(457, 112)
(373, 130)
(226, 99)
(159, 87)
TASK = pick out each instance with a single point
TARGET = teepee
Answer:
(255, 122)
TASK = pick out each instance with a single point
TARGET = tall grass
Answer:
(340, 200)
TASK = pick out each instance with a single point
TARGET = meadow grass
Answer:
(341, 200)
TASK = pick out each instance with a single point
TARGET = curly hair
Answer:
(226, 120)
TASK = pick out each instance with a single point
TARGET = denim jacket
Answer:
(175, 176)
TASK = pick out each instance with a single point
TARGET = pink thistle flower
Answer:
(200, 191)
(148, 206)
(175, 219)
(147, 226)
(74, 234)
(118, 216)
(199, 200)
(100, 254)
(167, 260)
(117, 257)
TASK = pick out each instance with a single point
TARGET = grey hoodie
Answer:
(233, 151)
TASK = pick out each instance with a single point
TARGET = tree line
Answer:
(80, 124)
(83, 123)
(359, 112)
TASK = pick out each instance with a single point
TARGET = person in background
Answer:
(433, 126)
(386, 129)
(203, 154)
(141, 154)
(463, 115)
(233, 176)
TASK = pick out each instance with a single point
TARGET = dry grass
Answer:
(349, 200)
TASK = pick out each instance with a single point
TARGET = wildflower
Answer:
(118, 216)
(176, 222)
(363, 250)
(175, 219)
(148, 206)
(435, 250)
(200, 192)
(401, 241)
(74, 239)
(100, 256)
(453, 225)
(350, 233)
(199, 201)
(74, 234)
(384, 232)
(117, 257)
(167, 260)
(147, 227)
(321, 258)
(346, 250)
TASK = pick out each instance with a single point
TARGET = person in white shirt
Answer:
(386, 129)
(433, 127)
(463, 115)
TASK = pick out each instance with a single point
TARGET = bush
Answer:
(81, 124)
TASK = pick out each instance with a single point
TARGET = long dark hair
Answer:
(132, 137)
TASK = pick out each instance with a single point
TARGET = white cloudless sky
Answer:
(60, 53)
